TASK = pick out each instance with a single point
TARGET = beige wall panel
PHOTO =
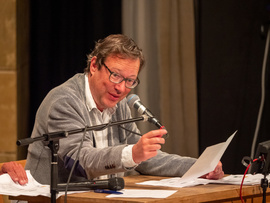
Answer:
(8, 112)
(7, 35)
(6, 157)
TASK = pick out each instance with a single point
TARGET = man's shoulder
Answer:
(77, 81)
(72, 89)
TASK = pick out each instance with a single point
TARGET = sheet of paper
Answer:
(175, 182)
(237, 179)
(231, 179)
(207, 161)
(32, 188)
(136, 193)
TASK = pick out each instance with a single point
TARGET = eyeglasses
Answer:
(117, 78)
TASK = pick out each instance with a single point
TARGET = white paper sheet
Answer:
(205, 164)
(208, 160)
(136, 193)
(231, 180)
(175, 182)
(237, 179)
(32, 188)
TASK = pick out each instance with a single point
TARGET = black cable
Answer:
(104, 127)
(165, 136)
(74, 164)
(130, 131)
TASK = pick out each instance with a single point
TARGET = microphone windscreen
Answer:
(116, 183)
(131, 99)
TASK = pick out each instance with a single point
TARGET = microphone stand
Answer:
(266, 169)
(264, 186)
(53, 139)
(264, 181)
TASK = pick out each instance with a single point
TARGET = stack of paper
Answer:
(32, 188)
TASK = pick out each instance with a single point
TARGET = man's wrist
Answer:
(127, 158)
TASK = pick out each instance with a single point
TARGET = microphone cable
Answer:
(262, 94)
(104, 127)
(247, 168)
(74, 164)
(166, 136)
(130, 131)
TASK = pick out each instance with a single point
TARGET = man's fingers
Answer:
(154, 137)
(156, 133)
(214, 175)
(21, 174)
(13, 176)
(16, 172)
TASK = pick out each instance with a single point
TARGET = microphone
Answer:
(134, 101)
(115, 183)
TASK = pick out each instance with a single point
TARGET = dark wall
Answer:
(230, 51)
(61, 34)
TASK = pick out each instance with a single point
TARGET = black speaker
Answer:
(263, 156)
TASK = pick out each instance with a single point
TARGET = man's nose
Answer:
(121, 86)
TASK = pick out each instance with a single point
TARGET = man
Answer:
(15, 171)
(96, 97)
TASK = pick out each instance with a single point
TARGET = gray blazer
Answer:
(64, 108)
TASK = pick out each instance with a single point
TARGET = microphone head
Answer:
(116, 183)
(131, 99)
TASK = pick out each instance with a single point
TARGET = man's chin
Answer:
(111, 104)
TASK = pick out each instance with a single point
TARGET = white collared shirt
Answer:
(101, 137)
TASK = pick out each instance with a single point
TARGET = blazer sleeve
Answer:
(165, 164)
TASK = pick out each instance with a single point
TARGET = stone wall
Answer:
(8, 81)
(14, 88)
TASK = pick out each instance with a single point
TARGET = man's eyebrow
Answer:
(121, 74)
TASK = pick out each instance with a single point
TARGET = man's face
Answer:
(105, 93)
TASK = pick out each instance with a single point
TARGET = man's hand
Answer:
(148, 145)
(216, 174)
(16, 172)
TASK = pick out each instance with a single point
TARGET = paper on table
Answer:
(175, 182)
(135, 193)
(32, 188)
(237, 179)
(207, 161)
(231, 179)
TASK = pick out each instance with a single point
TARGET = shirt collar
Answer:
(90, 103)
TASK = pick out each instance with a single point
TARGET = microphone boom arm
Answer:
(62, 134)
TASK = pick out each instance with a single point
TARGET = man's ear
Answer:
(93, 65)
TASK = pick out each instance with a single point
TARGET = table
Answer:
(200, 193)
